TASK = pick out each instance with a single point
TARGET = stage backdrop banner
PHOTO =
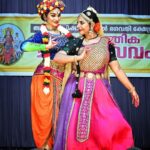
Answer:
(131, 35)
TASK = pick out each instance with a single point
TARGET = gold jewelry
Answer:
(75, 59)
(132, 89)
(92, 37)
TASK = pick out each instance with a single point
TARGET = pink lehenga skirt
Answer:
(91, 123)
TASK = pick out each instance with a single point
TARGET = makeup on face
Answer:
(53, 18)
(82, 25)
(55, 13)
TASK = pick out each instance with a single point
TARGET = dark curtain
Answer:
(132, 7)
(15, 119)
(137, 117)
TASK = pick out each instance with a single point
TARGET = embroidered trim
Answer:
(84, 116)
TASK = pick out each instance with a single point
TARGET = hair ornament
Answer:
(97, 27)
(92, 9)
(48, 5)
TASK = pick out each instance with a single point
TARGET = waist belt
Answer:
(90, 75)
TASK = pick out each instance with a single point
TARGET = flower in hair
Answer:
(97, 27)
(92, 9)
(48, 5)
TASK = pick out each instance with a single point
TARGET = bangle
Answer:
(132, 89)
(75, 59)
(46, 48)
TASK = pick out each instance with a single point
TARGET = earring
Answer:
(91, 30)
(45, 18)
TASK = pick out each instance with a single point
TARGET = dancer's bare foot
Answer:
(46, 147)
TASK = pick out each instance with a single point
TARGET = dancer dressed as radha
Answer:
(89, 117)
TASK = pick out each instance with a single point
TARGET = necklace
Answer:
(91, 41)
(91, 38)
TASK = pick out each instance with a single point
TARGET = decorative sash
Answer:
(84, 116)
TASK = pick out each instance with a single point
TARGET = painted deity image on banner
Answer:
(10, 39)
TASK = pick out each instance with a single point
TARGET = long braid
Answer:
(77, 93)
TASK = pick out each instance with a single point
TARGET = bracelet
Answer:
(132, 89)
(75, 59)
(46, 48)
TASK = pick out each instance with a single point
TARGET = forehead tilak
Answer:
(55, 11)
